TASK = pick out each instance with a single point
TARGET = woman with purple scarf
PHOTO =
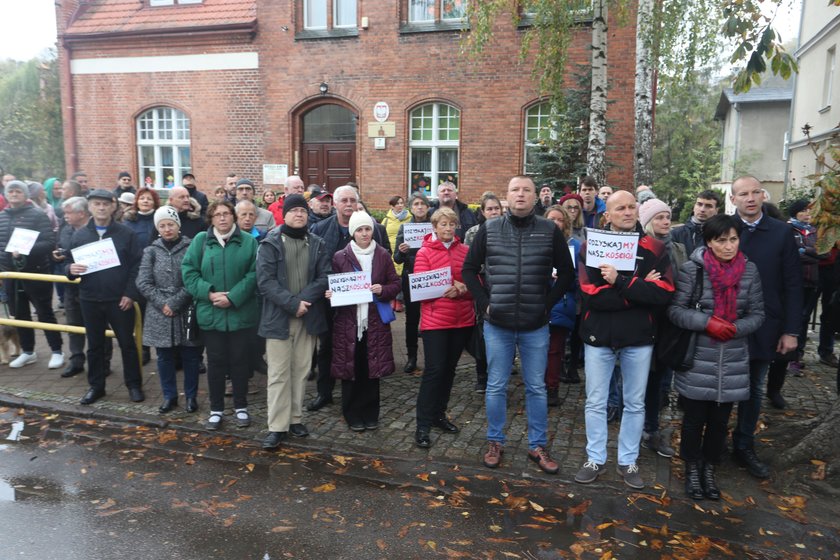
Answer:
(730, 307)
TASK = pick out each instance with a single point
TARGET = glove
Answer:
(719, 329)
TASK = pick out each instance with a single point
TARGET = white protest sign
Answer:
(22, 240)
(99, 255)
(611, 247)
(413, 234)
(429, 285)
(350, 288)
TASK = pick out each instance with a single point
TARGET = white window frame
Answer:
(828, 83)
(306, 15)
(335, 4)
(156, 142)
(437, 7)
(435, 144)
(526, 144)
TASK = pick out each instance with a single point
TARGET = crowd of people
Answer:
(242, 284)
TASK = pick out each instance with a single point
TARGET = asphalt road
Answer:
(88, 489)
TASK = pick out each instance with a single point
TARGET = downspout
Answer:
(68, 112)
(736, 108)
(792, 112)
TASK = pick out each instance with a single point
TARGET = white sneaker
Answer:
(56, 360)
(24, 359)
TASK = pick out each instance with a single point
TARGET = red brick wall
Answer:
(242, 119)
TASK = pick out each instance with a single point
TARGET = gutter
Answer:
(249, 27)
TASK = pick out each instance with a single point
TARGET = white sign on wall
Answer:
(381, 111)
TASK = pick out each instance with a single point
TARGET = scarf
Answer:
(223, 239)
(146, 213)
(401, 216)
(294, 233)
(725, 278)
(365, 258)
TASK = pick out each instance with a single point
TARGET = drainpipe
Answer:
(68, 111)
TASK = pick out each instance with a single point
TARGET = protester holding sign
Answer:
(446, 324)
(362, 346)
(20, 215)
(617, 323)
(405, 254)
(107, 297)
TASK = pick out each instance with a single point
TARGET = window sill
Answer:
(824, 110)
(433, 27)
(337, 33)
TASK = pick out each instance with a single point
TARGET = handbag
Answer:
(386, 312)
(193, 334)
(676, 346)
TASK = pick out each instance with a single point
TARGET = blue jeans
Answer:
(743, 436)
(190, 358)
(501, 346)
(635, 365)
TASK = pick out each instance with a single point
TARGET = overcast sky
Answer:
(29, 26)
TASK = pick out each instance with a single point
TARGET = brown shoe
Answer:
(541, 457)
(494, 454)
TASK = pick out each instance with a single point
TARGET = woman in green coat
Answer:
(219, 271)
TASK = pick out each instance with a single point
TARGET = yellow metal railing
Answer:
(138, 318)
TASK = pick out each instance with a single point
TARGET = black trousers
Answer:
(412, 319)
(360, 397)
(442, 349)
(776, 375)
(326, 382)
(23, 292)
(703, 436)
(228, 355)
(97, 316)
(73, 314)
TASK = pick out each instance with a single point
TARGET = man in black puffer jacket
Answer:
(107, 296)
(22, 214)
(518, 252)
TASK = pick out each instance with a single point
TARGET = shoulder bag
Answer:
(676, 345)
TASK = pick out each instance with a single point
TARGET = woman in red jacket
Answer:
(446, 324)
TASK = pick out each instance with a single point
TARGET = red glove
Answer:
(719, 329)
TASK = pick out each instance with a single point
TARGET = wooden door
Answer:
(328, 146)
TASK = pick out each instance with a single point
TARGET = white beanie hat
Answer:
(650, 209)
(166, 213)
(359, 219)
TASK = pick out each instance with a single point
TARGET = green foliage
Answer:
(826, 210)
(687, 152)
(561, 158)
(756, 42)
(31, 141)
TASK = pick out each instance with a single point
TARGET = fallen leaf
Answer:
(581, 508)
(576, 549)
(423, 476)
(341, 460)
(603, 526)
(536, 506)
(327, 487)
(229, 521)
(282, 529)
(51, 417)
(250, 467)
(495, 528)
(107, 504)
(381, 544)
(190, 460)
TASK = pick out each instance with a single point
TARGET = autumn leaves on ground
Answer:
(188, 495)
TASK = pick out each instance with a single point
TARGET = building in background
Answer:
(816, 98)
(370, 91)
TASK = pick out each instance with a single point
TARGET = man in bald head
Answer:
(189, 211)
(616, 323)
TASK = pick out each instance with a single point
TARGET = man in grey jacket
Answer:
(292, 268)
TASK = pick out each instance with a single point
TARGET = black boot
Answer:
(693, 487)
(411, 364)
(710, 488)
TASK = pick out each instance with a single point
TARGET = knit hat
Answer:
(166, 213)
(650, 209)
(244, 181)
(19, 185)
(35, 189)
(126, 198)
(798, 206)
(123, 174)
(571, 196)
(359, 219)
(293, 201)
(645, 196)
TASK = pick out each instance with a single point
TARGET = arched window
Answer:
(163, 146)
(538, 121)
(433, 141)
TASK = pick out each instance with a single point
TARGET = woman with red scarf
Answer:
(730, 307)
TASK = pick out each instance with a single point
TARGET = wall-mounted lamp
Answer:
(323, 88)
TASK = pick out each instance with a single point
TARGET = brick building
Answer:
(160, 87)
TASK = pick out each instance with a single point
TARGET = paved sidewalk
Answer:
(35, 384)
